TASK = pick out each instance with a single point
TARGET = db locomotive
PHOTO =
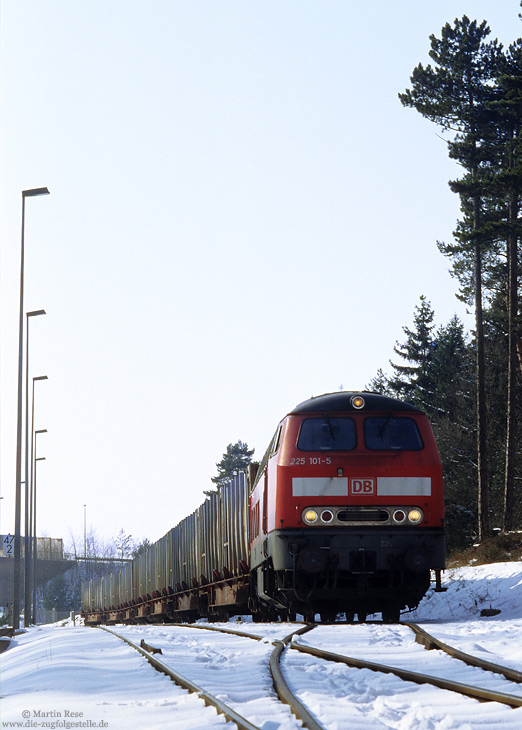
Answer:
(344, 514)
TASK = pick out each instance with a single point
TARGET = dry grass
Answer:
(503, 547)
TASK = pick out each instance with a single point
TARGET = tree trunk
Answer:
(512, 307)
(482, 468)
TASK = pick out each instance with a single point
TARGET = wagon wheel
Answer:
(328, 617)
(391, 615)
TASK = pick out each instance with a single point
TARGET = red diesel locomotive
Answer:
(344, 514)
(347, 509)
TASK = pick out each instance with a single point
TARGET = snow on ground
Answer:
(55, 673)
(382, 698)
(471, 589)
(50, 673)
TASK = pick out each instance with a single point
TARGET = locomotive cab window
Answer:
(327, 434)
(392, 434)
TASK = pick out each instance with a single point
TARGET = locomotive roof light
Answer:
(415, 516)
(358, 402)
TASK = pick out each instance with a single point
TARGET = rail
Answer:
(208, 699)
(478, 693)
(430, 642)
(287, 697)
(281, 687)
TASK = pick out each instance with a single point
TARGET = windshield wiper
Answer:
(330, 427)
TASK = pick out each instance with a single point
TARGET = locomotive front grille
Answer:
(367, 515)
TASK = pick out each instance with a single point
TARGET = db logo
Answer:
(362, 487)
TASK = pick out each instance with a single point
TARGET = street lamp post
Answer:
(35, 539)
(29, 562)
(28, 541)
(18, 493)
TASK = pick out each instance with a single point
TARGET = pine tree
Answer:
(57, 595)
(438, 377)
(451, 374)
(485, 255)
(455, 95)
(142, 547)
(507, 184)
(123, 544)
(381, 384)
(413, 380)
(236, 458)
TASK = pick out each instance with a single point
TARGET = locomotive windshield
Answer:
(392, 434)
(327, 434)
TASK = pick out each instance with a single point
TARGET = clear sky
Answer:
(242, 215)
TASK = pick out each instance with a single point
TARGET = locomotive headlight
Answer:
(415, 516)
(358, 402)
(310, 516)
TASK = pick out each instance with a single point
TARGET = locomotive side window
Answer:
(327, 434)
(392, 434)
(276, 441)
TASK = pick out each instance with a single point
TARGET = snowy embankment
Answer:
(65, 676)
(472, 589)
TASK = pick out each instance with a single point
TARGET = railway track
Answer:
(429, 642)
(208, 698)
(283, 691)
(285, 646)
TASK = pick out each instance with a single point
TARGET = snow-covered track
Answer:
(479, 693)
(281, 687)
(430, 642)
(208, 699)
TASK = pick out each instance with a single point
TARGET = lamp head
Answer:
(35, 313)
(34, 191)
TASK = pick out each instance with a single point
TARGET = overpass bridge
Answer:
(50, 561)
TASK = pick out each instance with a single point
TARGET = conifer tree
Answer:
(455, 95)
(507, 185)
(236, 458)
(141, 548)
(413, 380)
(57, 595)
(381, 384)
(451, 374)
(123, 544)
(438, 377)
